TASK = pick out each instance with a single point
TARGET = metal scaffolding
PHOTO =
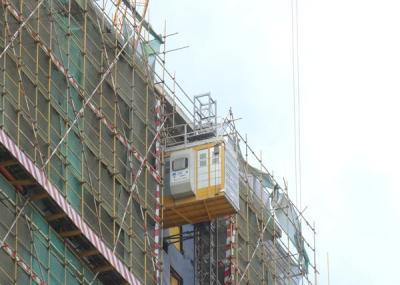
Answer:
(77, 120)
(87, 107)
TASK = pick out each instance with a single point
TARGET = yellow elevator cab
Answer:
(201, 182)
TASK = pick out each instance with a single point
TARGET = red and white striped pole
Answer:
(157, 229)
(21, 263)
(229, 275)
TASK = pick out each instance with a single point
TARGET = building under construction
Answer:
(110, 173)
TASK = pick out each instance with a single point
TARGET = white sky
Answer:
(349, 85)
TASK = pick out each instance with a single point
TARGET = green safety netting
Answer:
(150, 49)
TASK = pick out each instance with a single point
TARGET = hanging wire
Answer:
(296, 100)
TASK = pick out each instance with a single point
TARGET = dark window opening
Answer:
(180, 164)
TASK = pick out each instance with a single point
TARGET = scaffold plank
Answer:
(53, 217)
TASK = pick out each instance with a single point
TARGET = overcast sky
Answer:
(349, 51)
